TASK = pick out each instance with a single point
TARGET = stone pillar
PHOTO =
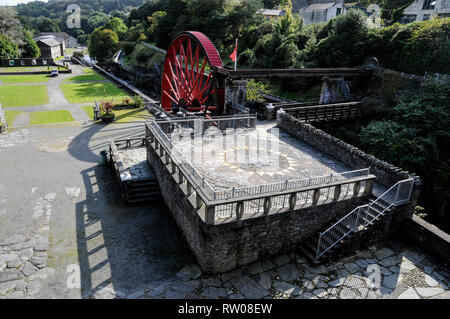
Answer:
(236, 92)
(330, 90)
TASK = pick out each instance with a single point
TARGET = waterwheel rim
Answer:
(188, 80)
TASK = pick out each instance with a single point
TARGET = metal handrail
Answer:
(237, 193)
(384, 197)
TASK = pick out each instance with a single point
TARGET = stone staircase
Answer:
(142, 191)
(350, 229)
(339, 237)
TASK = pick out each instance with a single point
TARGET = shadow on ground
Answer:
(121, 247)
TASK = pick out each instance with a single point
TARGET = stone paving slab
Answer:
(135, 160)
(261, 156)
(60, 216)
(327, 282)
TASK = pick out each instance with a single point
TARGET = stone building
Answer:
(271, 13)
(50, 47)
(422, 10)
(320, 11)
(69, 41)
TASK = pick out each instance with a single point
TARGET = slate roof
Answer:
(51, 42)
(271, 12)
(319, 6)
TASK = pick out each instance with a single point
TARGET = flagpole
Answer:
(235, 60)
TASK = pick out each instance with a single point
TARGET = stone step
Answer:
(140, 200)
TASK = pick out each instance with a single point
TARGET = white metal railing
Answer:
(235, 192)
(362, 216)
(231, 204)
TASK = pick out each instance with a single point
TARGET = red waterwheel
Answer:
(188, 81)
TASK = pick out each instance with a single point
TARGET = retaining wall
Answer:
(386, 173)
(220, 248)
(427, 236)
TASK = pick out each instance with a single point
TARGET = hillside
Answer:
(52, 16)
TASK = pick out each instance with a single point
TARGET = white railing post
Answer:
(396, 194)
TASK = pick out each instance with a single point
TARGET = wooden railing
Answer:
(328, 112)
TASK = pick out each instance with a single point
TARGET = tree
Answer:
(416, 138)
(118, 27)
(8, 49)
(154, 20)
(30, 48)
(103, 44)
(344, 44)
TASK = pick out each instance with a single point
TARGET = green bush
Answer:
(256, 90)
(8, 49)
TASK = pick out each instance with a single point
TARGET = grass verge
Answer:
(48, 117)
(38, 78)
(91, 92)
(23, 95)
(11, 116)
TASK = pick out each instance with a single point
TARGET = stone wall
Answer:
(26, 62)
(427, 236)
(386, 173)
(219, 248)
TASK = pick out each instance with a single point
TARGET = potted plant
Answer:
(108, 115)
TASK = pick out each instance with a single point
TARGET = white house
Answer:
(422, 10)
(271, 13)
(320, 11)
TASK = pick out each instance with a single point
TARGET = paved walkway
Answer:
(57, 101)
(65, 233)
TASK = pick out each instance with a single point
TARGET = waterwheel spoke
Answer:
(177, 96)
(175, 81)
(190, 56)
(170, 97)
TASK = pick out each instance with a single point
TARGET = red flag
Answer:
(234, 54)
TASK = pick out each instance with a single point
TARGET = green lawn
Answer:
(88, 70)
(132, 115)
(24, 69)
(23, 95)
(91, 92)
(38, 78)
(47, 117)
(89, 110)
(85, 78)
(11, 116)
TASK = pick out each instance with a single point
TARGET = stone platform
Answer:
(263, 155)
(135, 161)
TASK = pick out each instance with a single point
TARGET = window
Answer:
(338, 11)
(428, 4)
(407, 18)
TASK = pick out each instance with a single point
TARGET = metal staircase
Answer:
(358, 220)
